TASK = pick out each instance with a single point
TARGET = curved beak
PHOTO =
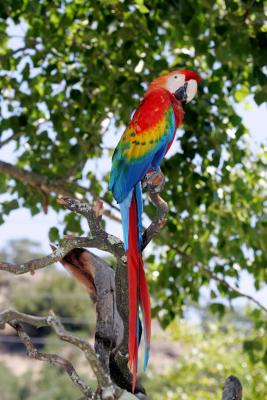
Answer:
(187, 92)
(181, 93)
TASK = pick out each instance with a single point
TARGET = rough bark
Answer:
(108, 289)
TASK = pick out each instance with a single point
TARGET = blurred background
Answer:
(72, 72)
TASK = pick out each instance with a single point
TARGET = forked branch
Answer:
(102, 283)
(107, 389)
(53, 359)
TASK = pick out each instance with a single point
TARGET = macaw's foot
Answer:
(154, 181)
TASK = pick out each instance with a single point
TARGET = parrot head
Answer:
(182, 84)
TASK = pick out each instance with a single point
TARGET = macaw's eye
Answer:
(176, 76)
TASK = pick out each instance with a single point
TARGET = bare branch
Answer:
(7, 140)
(10, 315)
(213, 275)
(154, 183)
(100, 240)
(107, 390)
(108, 242)
(55, 256)
(84, 189)
(53, 359)
(46, 186)
(39, 182)
(103, 378)
(85, 274)
(12, 53)
(232, 288)
(159, 221)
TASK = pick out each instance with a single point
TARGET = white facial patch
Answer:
(191, 89)
(174, 82)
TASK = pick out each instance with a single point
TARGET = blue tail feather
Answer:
(125, 207)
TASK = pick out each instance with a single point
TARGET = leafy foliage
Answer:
(217, 220)
(70, 68)
(206, 358)
(207, 355)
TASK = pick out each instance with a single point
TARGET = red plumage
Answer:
(144, 143)
(136, 282)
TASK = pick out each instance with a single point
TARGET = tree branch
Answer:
(7, 140)
(103, 378)
(44, 184)
(55, 256)
(213, 275)
(47, 185)
(106, 390)
(111, 338)
(154, 182)
(12, 53)
(53, 359)
(159, 221)
(109, 242)
(11, 315)
(233, 288)
(100, 240)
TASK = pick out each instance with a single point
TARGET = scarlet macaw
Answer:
(141, 148)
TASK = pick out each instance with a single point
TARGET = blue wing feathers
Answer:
(126, 173)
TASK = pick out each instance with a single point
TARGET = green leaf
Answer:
(217, 308)
(261, 96)
(9, 206)
(53, 234)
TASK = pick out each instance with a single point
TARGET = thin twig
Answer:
(9, 139)
(12, 53)
(10, 315)
(233, 288)
(159, 221)
(213, 275)
(53, 359)
(154, 182)
(104, 381)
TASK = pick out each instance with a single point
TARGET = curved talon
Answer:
(154, 182)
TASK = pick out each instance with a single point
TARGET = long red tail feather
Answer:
(138, 290)
(132, 261)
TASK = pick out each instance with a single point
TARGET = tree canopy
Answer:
(71, 68)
